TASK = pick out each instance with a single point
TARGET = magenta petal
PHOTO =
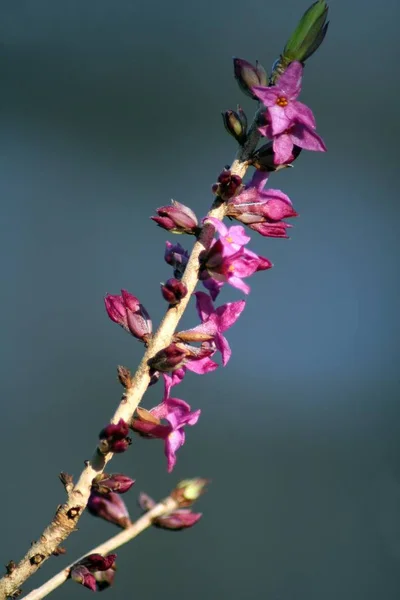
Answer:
(213, 286)
(223, 346)
(237, 235)
(174, 441)
(267, 95)
(290, 82)
(204, 305)
(279, 205)
(219, 225)
(258, 180)
(307, 138)
(283, 146)
(239, 284)
(201, 366)
(297, 111)
(280, 121)
(229, 313)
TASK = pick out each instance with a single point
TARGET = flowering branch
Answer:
(161, 509)
(290, 127)
(171, 513)
(67, 515)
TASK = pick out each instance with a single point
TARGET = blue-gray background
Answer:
(109, 109)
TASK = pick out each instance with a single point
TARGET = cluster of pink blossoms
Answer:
(290, 127)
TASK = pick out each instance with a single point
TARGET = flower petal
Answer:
(290, 81)
(297, 111)
(283, 146)
(307, 138)
(267, 95)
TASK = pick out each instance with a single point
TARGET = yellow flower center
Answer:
(231, 268)
(229, 239)
(282, 101)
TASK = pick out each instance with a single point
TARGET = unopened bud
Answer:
(189, 490)
(234, 126)
(114, 438)
(129, 313)
(305, 40)
(173, 291)
(117, 482)
(177, 218)
(249, 76)
(170, 358)
(179, 519)
(94, 571)
(228, 185)
(176, 256)
(109, 507)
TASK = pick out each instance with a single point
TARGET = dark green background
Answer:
(108, 110)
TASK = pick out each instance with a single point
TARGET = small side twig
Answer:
(163, 508)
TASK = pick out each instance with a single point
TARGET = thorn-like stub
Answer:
(10, 567)
(124, 376)
(59, 550)
(17, 593)
(74, 512)
(37, 559)
(67, 481)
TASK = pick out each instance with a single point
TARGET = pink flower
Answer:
(297, 134)
(177, 413)
(214, 323)
(228, 261)
(262, 210)
(280, 99)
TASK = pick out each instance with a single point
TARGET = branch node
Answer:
(59, 550)
(37, 559)
(10, 567)
(67, 481)
(74, 512)
(124, 376)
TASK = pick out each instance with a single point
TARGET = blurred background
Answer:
(108, 110)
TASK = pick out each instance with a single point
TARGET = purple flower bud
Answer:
(177, 520)
(177, 257)
(228, 185)
(110, 508)
(235, 126)
(97, 562)
(170, 358)
(173, 291)
(114, 438)
(177, 218)
(82, 575)
(95, 571)
(127, 311)
(117, 482)
(248, 75)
